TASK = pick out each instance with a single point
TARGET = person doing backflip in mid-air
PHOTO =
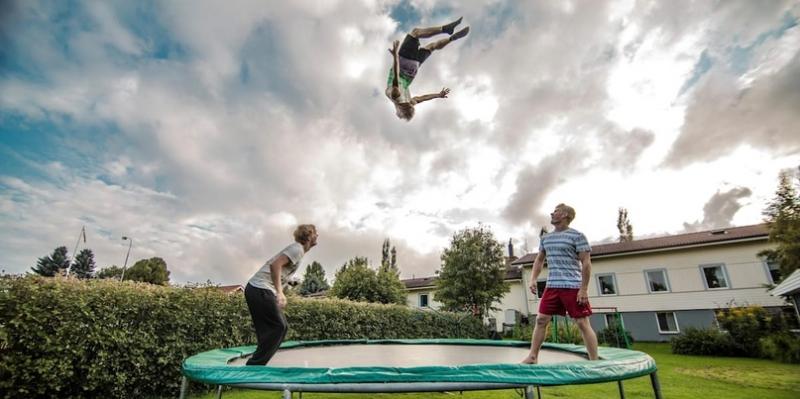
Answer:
(407, 59)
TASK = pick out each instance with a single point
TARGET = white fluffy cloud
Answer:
(207, 130)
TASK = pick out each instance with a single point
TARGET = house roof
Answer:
(230, 288)
(512, 273)
(789, 286)
(708, 237)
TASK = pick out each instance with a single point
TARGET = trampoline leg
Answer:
(287, 394)
(539, 392)
(219, 391)
(656, 385)
(529, 392)
(184, 388)
(621, 390)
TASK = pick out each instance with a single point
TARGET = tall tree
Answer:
(542, 231)
(83, 265)
(385, 252)
(624, 226)
(112, 271)
(783, 220)
(53, 264)
(314, 279)
(473, 272)
(393, 262)
(357, 281)
(153, 271)
(389, 288)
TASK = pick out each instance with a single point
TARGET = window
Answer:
(714, 276)
(773, 271)
(657, 280)
(667, 323)
(423, 300)
(606, 284)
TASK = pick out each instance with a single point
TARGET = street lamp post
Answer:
(130, 243)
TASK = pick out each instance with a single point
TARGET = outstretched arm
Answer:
(442, 94)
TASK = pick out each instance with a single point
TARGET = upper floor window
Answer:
(773, 270)
(657, 280)
(606, 284)
(715, 276)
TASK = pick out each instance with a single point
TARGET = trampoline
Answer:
(422, 365)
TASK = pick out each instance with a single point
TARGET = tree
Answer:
(389, 288)
(542, 231)
(112, 271)
(783, 220)
(53, 264)
(314, 279)
(473, 272)
(83, 266)
(153, 271)
(357, 281)
(389, 256)
(624, 226)
(385, 252)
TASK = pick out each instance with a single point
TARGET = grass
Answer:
(681, 376)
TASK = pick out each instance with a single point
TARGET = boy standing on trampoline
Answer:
(407, 59)
(265, 298)
(569, 270)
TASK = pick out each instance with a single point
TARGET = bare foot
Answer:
(528, 360)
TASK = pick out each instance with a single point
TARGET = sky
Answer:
(206, 131)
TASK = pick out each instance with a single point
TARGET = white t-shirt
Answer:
(263, 277)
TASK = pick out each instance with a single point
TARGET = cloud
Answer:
(719, 210)
(205, 130)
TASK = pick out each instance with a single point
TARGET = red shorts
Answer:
(560, 301)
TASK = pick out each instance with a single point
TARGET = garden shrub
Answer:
(783, 347)
(747, 325)
(704, 341)
(71, 338)
(612, 336)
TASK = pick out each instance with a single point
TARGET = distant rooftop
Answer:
(709, 237)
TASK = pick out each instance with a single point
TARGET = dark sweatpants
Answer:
(269, 321)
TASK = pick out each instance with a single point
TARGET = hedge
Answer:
(102, 338)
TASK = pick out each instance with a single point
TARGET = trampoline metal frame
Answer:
(403, 387)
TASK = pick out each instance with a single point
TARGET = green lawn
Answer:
(681, 377)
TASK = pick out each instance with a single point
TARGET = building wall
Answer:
(688, 298)
(746, 273)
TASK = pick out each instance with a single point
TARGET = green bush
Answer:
(783, 347)
(748, 325)
(612, 336)
(101, 338)
(702, 341)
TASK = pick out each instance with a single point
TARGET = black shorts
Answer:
(410, 49)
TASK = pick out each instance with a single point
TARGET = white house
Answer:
(659, 285)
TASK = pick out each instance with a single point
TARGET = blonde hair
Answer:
(303, 232)
(405, 111)
(568, 209)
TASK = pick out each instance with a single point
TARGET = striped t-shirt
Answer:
(561, 249)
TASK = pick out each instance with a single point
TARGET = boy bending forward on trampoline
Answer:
(570, 267)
